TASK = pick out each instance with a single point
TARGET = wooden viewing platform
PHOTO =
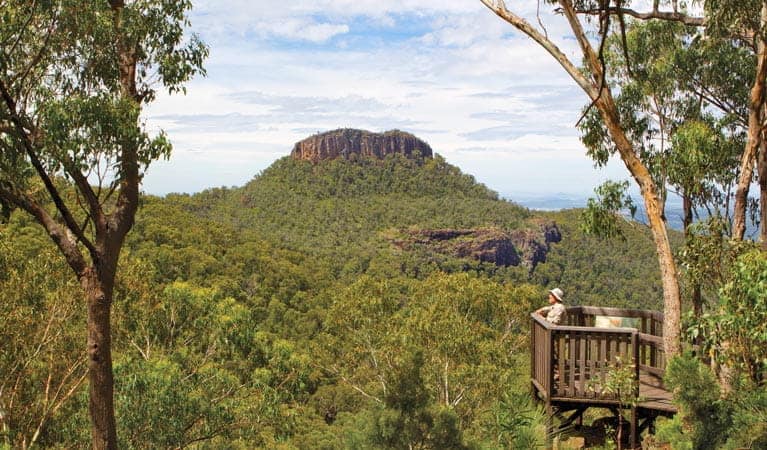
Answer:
(570, 364)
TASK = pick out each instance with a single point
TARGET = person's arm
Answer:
(542, 311)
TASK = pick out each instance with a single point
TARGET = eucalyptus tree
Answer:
(592, 79)
(74, 77)
(743, 24)
(683, 120)
(738, 24)
(732, 56)
(683, 116)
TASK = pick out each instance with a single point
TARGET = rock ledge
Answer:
(343, 143)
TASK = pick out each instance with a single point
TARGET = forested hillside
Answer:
(362, 293)
(283, 314)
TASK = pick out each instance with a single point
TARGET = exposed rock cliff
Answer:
(526, 247)
(346, 142)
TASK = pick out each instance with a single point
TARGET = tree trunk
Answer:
(686, 213)
(761, 166)
(755, 136)
(672, 299)
(697, 299)
(98, 294)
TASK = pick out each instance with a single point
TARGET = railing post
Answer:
(549, 386)
(550, 358)
(532, 360)
(634, 438)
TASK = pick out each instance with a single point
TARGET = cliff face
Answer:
(346, 142)
(527, 247)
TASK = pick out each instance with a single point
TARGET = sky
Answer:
(485, 97)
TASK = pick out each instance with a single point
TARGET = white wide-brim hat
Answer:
(556, 292)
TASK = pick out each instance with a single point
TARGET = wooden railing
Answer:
(573, 361)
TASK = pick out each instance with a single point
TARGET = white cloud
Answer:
(302, 30)
(451, 72)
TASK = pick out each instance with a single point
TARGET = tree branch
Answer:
(499, 8)
(688, 20)
(12, 50)
(349, 383)
(127, 200)
(69, 220)
(63, 240)
(604, 28)
(39, 56)
(94, 206)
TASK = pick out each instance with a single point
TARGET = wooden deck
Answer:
(574, 367)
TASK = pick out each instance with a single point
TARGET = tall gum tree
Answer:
(593, 82)
(742, 23)
(686, 118)
(745, 23)
(74, 77)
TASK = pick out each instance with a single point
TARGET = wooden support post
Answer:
(549, 424)
(633, 437)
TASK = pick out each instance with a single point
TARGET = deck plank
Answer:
(654, 394)
(651, 391)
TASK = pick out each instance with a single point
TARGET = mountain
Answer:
(360, 301)
(404, 212)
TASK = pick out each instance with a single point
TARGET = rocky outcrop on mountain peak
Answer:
(344, 143)
(527, 247)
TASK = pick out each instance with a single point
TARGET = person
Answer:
(556, 312)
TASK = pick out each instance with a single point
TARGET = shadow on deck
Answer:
(574, 366)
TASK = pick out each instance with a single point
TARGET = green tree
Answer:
(465, 331)
(593, 80)
(669, 108)
(74, 76)
(707, 418)
(42, 364)
(406, 421)
(737, 329)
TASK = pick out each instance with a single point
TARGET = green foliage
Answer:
(72, 87)
(41, 360)
(280, 315)
(518, 423)
(707, 254)
(701, 160)
(620, 381)
(749, 419)
(704, 419)
(602, 214)
(406, 421)
(738, 329)
(684, 118)
(727, 18)
(161, 403)
(734, 422)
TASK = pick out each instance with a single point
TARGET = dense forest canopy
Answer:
(372, 295)
(281, 313)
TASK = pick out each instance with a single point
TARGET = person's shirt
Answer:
(555, 313)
